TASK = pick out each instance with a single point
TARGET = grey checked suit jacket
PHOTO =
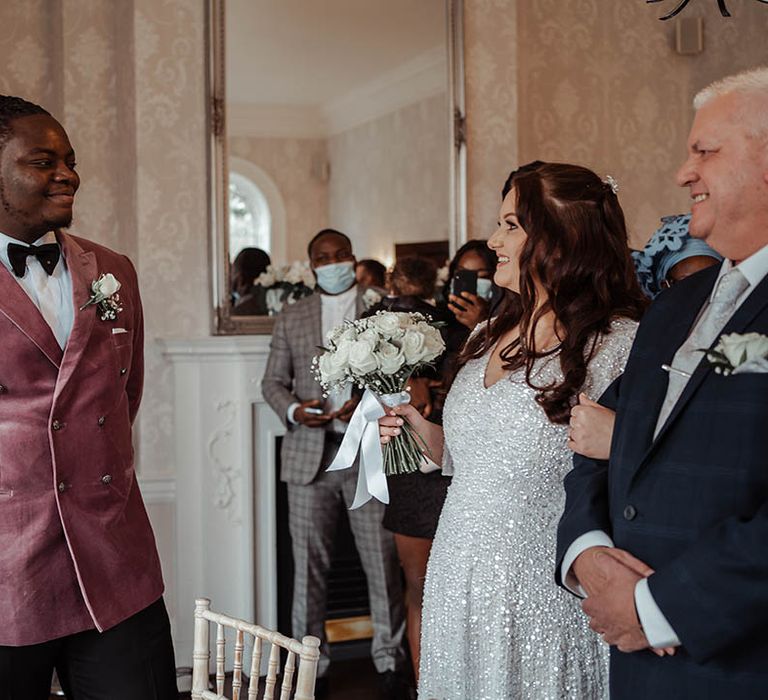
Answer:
(288, 379)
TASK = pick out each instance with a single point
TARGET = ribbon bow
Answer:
(363, 436)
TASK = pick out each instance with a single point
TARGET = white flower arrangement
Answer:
(286, 284)
(380, 353)
(739, 353)
(104, 294)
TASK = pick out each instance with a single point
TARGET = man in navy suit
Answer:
(668, 540)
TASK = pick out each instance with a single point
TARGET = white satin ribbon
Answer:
(363, 436)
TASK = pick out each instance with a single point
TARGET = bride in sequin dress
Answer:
(495, 625)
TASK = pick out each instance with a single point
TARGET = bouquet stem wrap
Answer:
(362, 437)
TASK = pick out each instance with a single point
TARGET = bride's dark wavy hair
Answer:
(577, 251)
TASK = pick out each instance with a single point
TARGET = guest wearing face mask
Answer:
(315, 429)
(470, 309)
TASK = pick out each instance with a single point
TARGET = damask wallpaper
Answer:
(596, 83)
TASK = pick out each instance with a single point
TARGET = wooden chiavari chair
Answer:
(306, 653)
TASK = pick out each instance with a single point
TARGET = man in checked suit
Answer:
(80, 581)
(669, 538)
(315, 430)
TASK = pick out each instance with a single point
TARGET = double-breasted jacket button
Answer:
(106, 479)
(630, 512)
(57, 425)
(101, 420)
(62, 487)
(3, 389)
(123, 370)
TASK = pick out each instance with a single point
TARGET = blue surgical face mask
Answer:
(336, 278)
(484, 288)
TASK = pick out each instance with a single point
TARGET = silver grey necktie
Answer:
(729, 288)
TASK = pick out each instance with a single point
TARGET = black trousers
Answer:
(131, 661)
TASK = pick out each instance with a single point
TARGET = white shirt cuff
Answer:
(593, 538)
(656, 627)
(290, 413)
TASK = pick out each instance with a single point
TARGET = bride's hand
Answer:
(390, 425)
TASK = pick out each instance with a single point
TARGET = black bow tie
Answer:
(48, 255)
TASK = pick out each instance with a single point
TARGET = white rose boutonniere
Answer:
(104, 294)
(738, 353)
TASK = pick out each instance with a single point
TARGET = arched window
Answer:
(250, 221)
(256, 211)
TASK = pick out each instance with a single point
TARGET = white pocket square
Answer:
(117, 331)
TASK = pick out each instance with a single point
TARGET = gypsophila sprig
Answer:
(104, 294)
(381, 353)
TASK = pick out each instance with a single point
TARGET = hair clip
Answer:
(611, 182)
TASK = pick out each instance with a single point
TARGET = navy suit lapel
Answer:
(744, 315)
(681, 315)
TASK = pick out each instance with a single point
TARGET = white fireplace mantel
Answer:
(224, 441)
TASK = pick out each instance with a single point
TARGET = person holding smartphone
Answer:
(471, 287)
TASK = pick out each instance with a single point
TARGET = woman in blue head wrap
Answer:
(671, 255)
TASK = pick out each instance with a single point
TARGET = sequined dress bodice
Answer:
(494, 624)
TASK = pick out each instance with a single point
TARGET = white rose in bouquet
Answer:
(362, 360)
(343, 347)
(414, 346)
(388, 324)
(370, 335)
(332, 367)
(433, 343)
(741, 348)
(380, 353)
(391, 358)
(343, 332)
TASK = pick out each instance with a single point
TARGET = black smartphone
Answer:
(464, 281)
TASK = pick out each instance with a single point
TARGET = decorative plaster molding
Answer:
(227, 475)
(213, 348)
(154, 490)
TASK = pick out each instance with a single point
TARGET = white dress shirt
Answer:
(51, 294)
(655, 624)
(334, 310)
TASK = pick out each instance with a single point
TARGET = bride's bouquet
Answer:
(378, 354)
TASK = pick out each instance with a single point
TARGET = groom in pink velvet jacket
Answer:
(80, 580)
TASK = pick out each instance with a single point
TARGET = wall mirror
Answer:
(345, 114)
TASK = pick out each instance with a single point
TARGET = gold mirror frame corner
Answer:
(222, 320)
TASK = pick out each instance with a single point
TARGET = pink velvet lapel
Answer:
(22, 312)
(82, 267)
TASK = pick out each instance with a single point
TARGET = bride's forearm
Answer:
(433, 441)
